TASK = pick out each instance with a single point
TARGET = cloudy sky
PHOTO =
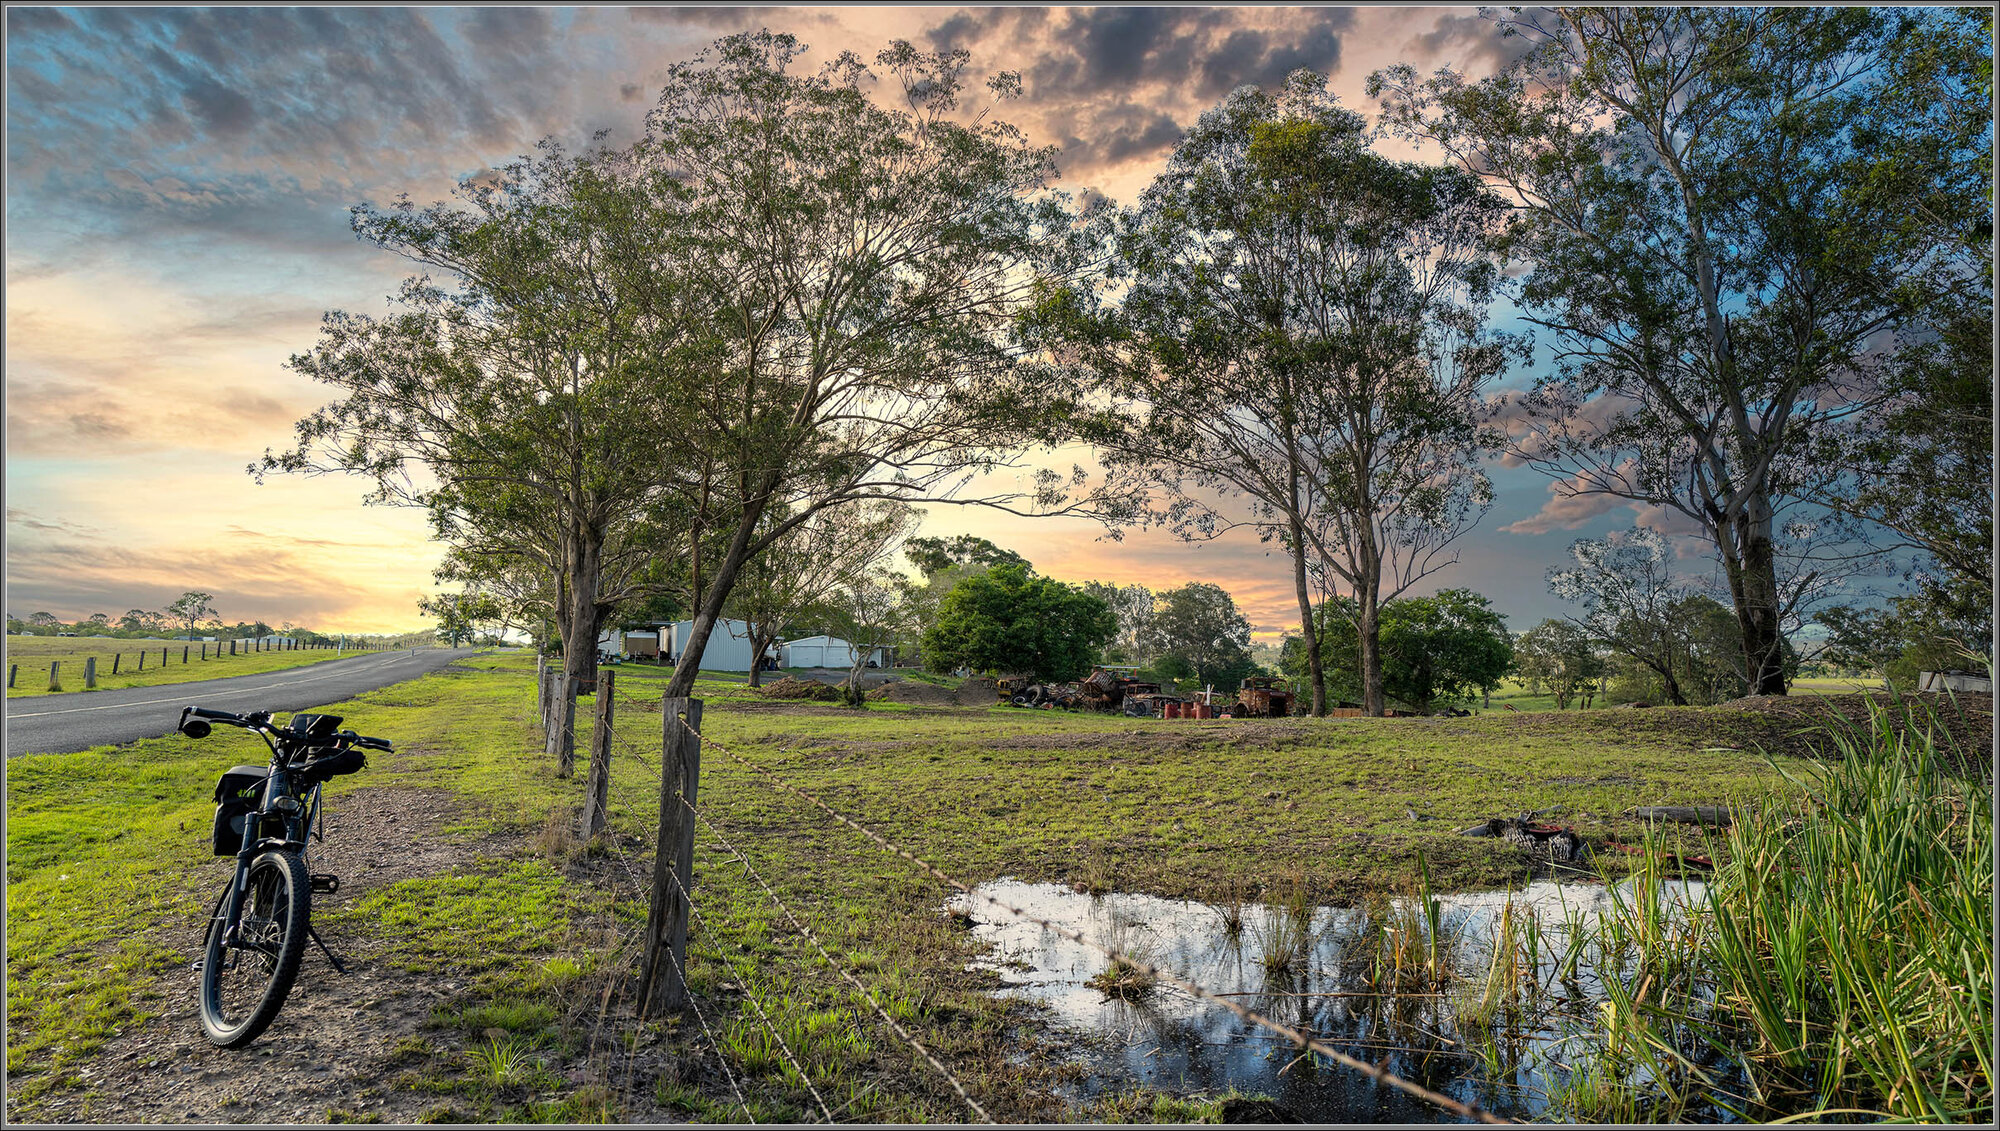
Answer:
(178, 185)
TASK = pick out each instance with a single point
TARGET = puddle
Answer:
(1170, 1040)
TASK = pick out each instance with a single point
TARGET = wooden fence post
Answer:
(142, 659)
(163, 657)
(185, 648)
(55, 675)
(661, 986)
(90, 673)
(561, 720)
(11, 670)
(542, 689)
(597, 786)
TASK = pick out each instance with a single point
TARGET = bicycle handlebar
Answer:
(261, 721)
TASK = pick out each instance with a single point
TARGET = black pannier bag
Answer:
(331, 764)
(319, 727)
(236, 795)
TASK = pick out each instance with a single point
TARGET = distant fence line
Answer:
(662, 982)
(191, 651)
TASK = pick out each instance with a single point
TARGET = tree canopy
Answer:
(1298, 326)
(1007, 620)
(1445, 648)
(1714, 257)
(1195, 631)
(933, 556)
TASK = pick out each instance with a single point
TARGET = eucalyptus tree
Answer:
(1559, 654)
(514, 390)
(1638, 607)
(1132, 607)
(1300, 329)
(859, 266)
(1196, 631)
(1924, 465)
(1715, 261)
(870, 610)
(191, 609)
(806, 572)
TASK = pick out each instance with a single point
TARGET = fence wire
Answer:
(769, 1027)
(1303, 1040)
(843, 971)
(639, 753)
(721, 1057)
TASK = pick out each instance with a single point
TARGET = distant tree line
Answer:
(189, 616)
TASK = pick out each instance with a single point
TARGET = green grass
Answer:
(33, 654)
(1842, 961)
(108, 855)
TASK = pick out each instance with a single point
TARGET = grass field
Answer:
(1514, 693)
(107, 860)
(33, 654)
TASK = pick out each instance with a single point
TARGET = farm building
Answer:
(728, 648)
(640, 643)
(826, 652)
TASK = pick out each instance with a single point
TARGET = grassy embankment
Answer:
(33, 654)
(108, 864)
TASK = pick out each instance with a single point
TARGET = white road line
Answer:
(259, 690)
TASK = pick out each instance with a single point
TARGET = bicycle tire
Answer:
(243, 987)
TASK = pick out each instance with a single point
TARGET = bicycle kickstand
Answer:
(338, 966)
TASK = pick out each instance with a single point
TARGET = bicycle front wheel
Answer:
(244, 983)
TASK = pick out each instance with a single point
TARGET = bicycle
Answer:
(266, 816)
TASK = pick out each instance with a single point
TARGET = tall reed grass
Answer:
(1839, 963)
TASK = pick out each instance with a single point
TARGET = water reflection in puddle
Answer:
(1170, 1040)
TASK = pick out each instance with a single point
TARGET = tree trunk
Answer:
(1315, 669)
(759, 642)
(1369, 629)
(852, 695)
(1675, 696)
(1368, 595)
(1750, 561)
(682, 683)
(582, 620)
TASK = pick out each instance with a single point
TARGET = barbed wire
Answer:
(769, 1027)
(851, 979)
(1304, 1041)
(721, 1057)
(633, 749)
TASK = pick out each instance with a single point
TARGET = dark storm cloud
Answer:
(221, 110)
(725, 19)
(27, 21)
(1471, 42)
(1260, 58)
(315, 104)
(1117, 85)
(1139, 133)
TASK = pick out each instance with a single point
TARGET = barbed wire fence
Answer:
(671, 897)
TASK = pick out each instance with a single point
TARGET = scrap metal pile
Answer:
(1259, 697)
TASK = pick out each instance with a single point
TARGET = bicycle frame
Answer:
(277, 789)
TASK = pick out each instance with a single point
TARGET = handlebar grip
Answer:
(206, 713)
(375, 743)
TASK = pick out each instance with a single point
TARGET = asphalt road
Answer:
(54, 724)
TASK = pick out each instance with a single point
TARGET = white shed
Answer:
(826, 652)
(728, 648)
